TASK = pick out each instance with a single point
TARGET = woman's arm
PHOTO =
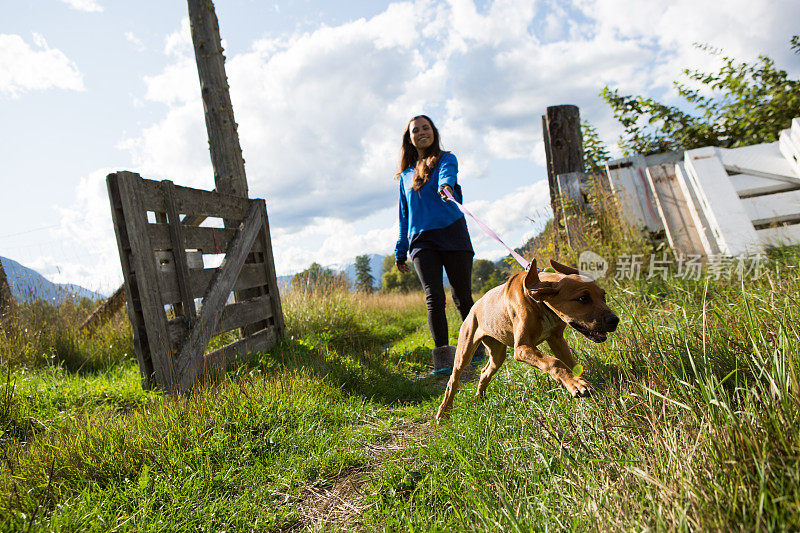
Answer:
(448, 172)
(401, 249)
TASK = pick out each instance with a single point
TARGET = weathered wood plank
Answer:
(190, 201)
(682, 233)
(179, 253)
(620, 177)
(251, 275)
(773, 208)
(144, 268)
(707, 238)
(272, 278)
(629, 183)
(222, 359)
(724, 210)
(223, 138)
(569, 186)
(220, 287)
(235, 315)
(130, 286)
(105, 310)
(209, 240)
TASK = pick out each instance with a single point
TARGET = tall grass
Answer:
(42, 334)
(694, 424)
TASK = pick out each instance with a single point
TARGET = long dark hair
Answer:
(409, 157)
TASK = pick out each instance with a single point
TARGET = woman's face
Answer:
(421, 134)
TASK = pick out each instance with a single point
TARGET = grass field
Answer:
(695, 424)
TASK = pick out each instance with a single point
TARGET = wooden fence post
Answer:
(223, 139)
(563, 144)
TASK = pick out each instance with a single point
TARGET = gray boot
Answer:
(443, 358)
(479, 358)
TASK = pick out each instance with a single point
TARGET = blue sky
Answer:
(322, 91)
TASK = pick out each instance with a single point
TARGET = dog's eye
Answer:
(585, 299)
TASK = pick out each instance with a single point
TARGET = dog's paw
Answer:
(579, 387)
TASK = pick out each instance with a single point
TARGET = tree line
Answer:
(485, 275)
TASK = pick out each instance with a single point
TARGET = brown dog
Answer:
(530, 308)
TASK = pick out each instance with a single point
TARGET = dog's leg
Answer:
(497, 355)
(554, 368)
(467, 344)
(561, 349)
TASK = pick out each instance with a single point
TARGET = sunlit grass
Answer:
(694, 425)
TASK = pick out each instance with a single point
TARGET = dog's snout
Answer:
(611, 322)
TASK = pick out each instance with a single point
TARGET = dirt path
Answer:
(337, 505)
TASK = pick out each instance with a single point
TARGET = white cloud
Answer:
(135, 41)
(320, 113)
(90, 6)
(92, 260)
(24, 68)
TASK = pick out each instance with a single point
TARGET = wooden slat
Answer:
(218, 291)
(763, 160)
(773, 208)
(682, 234)
(569, 186)
(187, 307)
(130, 286)
(272, 278)
(144, 267)
(707, 238)
(629, 183)
(209, 240)
(726, 215)
(235, 315)
(240, 350)
(780, 236)
(194, 201)
(747, 185)
(251, 275)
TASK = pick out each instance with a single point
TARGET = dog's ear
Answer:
(563, 269)
(538, 289)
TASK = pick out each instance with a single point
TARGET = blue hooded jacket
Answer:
(425, 210)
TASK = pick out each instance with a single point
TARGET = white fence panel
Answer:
(726, 215)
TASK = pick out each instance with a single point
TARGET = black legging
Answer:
(458, 265)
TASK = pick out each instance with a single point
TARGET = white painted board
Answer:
(773, 208)
(707, 238)
(757, 159)
(790, 150)
(747, 185)
(727, 218)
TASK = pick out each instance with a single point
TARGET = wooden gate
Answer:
(176, 304)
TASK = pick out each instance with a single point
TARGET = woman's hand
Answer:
(441, 192)
(402, 267)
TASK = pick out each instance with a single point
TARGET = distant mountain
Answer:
(26, 285)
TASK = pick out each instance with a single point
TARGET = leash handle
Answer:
(521, 260)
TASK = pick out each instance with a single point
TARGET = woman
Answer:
(433, 232)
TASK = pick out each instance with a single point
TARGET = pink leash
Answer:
(521, 260)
